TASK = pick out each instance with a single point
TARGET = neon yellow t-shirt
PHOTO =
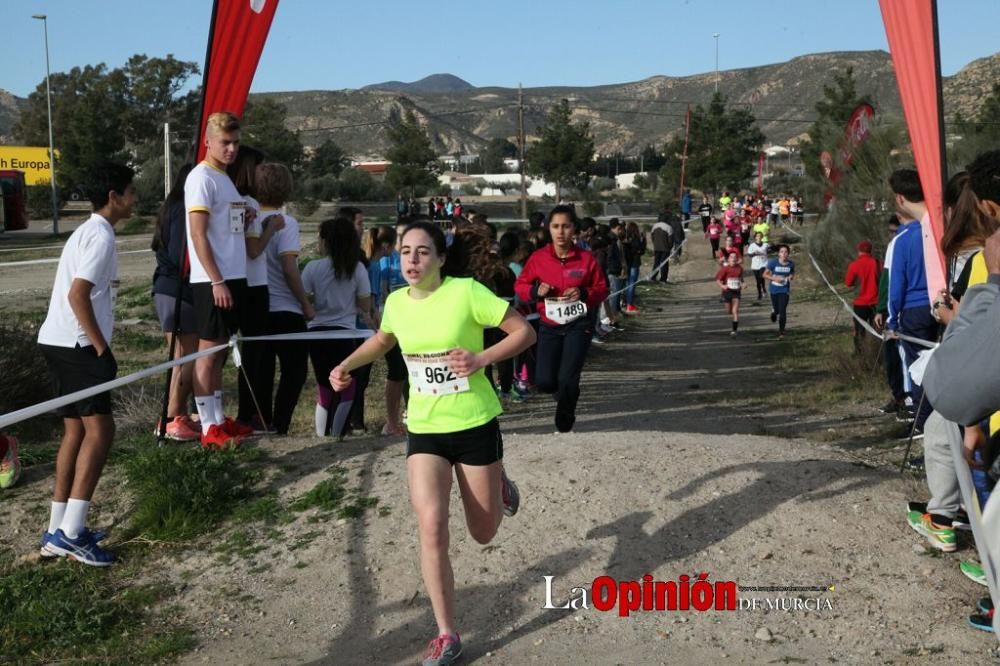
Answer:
(452, 317)
(762, 228)
(725, 201)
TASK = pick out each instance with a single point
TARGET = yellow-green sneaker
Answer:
(973, 572)
(10, 463)
(938, 536)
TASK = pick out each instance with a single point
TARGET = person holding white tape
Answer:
(567, 287)
(438, 322)
(75, 340)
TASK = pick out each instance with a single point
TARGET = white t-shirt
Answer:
(209, 190)
(336, 301)
(284, 242)
(256, 268)
(774, 208)
(89, 254)
(758, 255)
(793, 206)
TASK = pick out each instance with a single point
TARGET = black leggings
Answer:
(252, 324)
(292, 355)
(758, 275)
(505, 368)
(779, 302)
(561, 353)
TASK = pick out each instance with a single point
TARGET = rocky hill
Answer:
(624, 117)
(10, 109)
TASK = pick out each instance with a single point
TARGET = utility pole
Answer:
(684, 158)
(52, 151)
(716, 35)
(166, 161)
(520, 147)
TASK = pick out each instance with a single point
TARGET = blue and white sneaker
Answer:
(82, 549)
(96, 535)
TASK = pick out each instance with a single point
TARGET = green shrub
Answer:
(182, 493)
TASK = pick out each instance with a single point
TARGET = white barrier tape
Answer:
(11, 418)
(49, 405)
(655, 270)
(850, 310)
(55, 260)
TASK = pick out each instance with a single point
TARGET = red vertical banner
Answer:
(911, 28)
(235, 42)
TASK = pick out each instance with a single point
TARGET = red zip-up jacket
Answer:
(578, 269)
(865, 269)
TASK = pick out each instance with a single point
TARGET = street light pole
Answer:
(716, 35)
(52, 153)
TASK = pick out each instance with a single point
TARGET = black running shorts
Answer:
(212, 323)
(73, 369)
(482, 445)
(729, 295)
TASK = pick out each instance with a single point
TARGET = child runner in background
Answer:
(730, 280)
(567, 286)
(438, 322)
(780, 271)
(392, 279)
(714, 232)
(757, 251)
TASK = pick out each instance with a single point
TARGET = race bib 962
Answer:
(429, 375)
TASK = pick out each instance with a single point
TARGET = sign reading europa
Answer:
(33, 161)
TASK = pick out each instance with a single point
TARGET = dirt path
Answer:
(660, 477)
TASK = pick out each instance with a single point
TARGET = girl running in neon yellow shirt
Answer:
(438, 322)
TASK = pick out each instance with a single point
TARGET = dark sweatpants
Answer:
(561, 353)
(917, 323)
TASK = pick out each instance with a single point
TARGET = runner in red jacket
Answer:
(567, 287)
(865, 271)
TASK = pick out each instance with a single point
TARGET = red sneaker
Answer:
(631, 309)
(218, 438)
(236, 429)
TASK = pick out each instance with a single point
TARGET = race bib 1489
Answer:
(563, 311)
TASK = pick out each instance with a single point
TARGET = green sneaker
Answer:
(973, 572)
(10, 463)
(942, 538)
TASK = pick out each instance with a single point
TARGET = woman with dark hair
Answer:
(256, 304)
(438, 322)
(471, 255)
(168, 283)
(566, 286)
(341, 295)
(634, 245)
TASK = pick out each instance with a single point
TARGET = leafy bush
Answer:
(39, 201)
(25, 375)
(357, 185)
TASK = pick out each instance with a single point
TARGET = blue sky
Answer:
(333, 44)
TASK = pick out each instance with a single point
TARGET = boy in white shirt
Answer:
(216, 220)
(75, 340)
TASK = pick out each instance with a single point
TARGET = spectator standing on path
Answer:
(705, 212)
(662, 237)
(909, 305)
(634, 245)
(678, 234)
(617, 270)
(217, 216)
(169, 284)
(686, 204)
(890, 346)
(864, 270)
(75, 340)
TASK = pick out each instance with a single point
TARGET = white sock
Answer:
(75, 517)
(322, 418)
(220, 415)
(206, 411)
(56, 516)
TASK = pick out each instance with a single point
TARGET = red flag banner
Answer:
(856, 132)
(911, 27)
(235, 42)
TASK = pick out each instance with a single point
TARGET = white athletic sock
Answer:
(206, 411)
(75, 517)
(220, 415)
(56, 516)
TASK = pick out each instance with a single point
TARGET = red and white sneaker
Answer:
(182, 429)
(217, 438)
(236, 429)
